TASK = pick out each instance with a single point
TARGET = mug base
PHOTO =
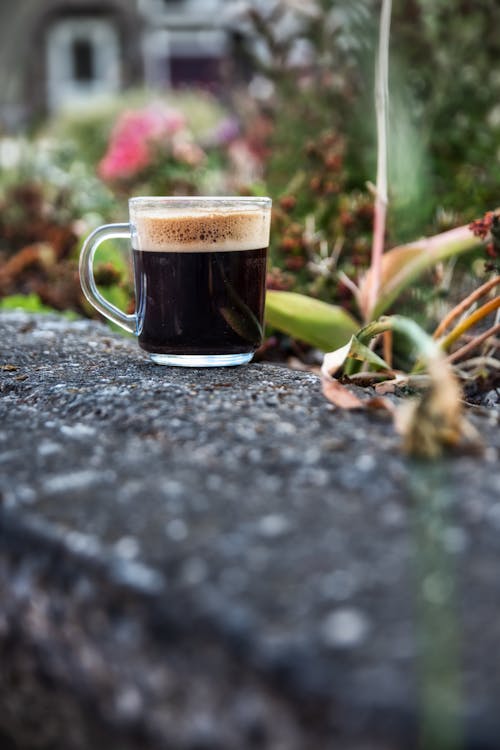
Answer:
(201, 360)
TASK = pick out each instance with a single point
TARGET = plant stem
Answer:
(475, 362)
(436, 422)
(381, 108)
(465, 304)
(474, 343)
(464, 326)
(404, 264)
(387, 342)
(426, 346)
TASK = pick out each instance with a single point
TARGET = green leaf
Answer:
(343, 356)
(31, 303)
(364, 354)
(402, 265)
(317, 323)
(27, 302)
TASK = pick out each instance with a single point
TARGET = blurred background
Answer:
(103, 100)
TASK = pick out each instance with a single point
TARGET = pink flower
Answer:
(188, 152)
(134, 135)
(173, 121)
(124, 159)
(153, 122)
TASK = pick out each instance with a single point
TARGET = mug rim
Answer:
(237, 200)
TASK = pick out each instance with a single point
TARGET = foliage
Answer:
(430, 426)
(90, 129)
(308, 319)
(309, 54)
(151, 151)
(455, 110)
(401, 267)
(318, 59)
(390, 274)
(305, 135)
(27, 302)
(48, 200)
(150, 143)
(58, 187)
(47, 179)
(488, 229)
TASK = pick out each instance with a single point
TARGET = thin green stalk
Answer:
(426, 346)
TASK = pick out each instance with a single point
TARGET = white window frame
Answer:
(161, 45)
(198, 43)
(196, 13)
(62, 89)
(156, 53)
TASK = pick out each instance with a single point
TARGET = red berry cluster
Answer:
(278, 280)
(355, 224)
(488, 229)
(320, 228)
(326, 156)
(324, 181)
(291, 233)
(482, 227)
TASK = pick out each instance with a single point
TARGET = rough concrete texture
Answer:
(219, 559)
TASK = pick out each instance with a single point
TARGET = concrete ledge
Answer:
(220, 559)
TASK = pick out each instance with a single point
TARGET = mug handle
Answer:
(87, 280)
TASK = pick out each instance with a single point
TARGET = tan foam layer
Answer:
(203, 232)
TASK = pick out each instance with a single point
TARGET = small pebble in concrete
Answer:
(273, 525)
(345, 628)
(127, 547)
(339, 585)
(177, 530)
(194, 571)
(78, 430)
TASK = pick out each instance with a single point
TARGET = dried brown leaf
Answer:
(380, 404)
(388, 386)
(343, 398)
(435, 423)
(339, 395)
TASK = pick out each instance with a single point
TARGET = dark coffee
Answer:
(200, 302)
(200, 280)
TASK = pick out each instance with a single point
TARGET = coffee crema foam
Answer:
(201, 232)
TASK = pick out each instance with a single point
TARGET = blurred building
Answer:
(62, 53)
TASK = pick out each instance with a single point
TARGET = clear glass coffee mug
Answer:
(200, 274)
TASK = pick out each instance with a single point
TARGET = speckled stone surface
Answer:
(219, 559)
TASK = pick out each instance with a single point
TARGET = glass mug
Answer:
(200, 275)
